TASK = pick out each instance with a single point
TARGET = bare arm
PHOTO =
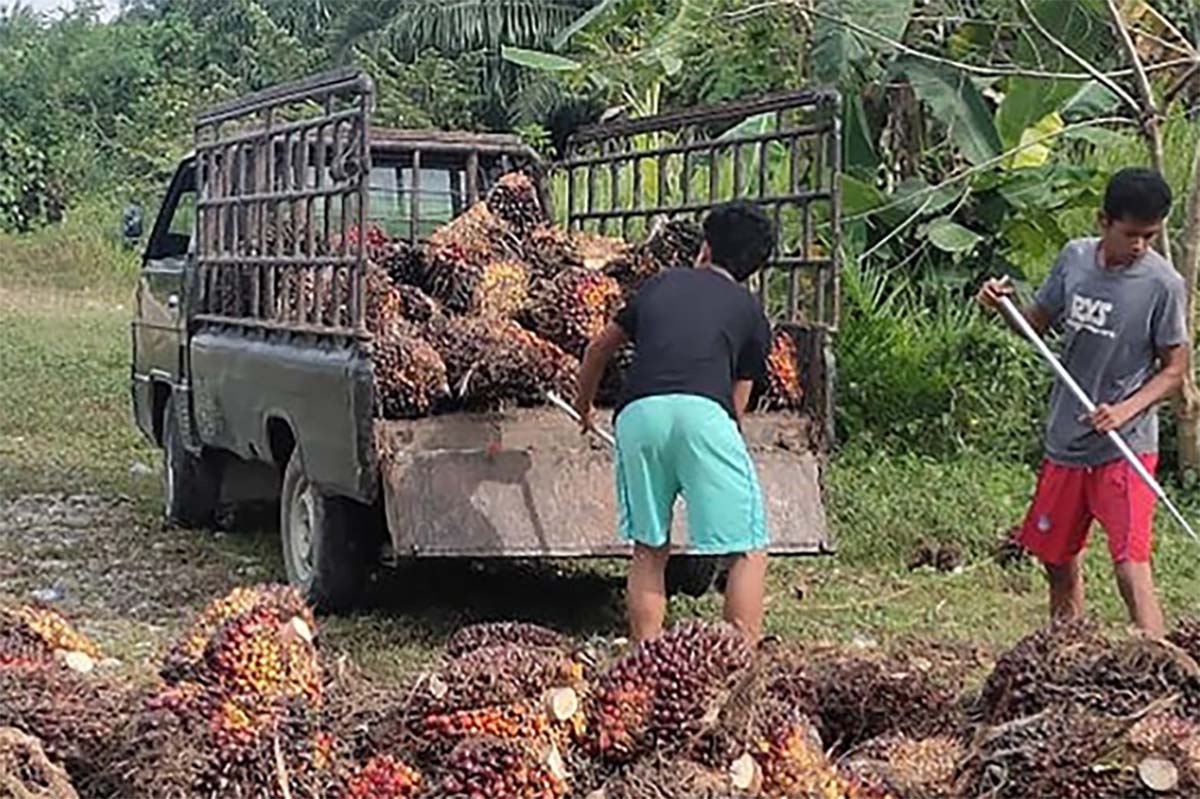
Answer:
(1165, 383)
(741, 399)
(595, 359)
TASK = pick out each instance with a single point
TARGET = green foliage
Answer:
(885, 504)
(932, 375)
(845, 57)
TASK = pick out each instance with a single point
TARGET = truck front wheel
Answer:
(326, 546)
(191, 482)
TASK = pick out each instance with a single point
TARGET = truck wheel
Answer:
(691, 575)
(326, 551)
(191, 482)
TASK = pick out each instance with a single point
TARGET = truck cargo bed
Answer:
(524, 483)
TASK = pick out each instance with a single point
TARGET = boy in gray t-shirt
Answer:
(1120, 308)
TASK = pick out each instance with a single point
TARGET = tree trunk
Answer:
(1187, 410)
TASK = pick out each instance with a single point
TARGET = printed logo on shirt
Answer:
(1090, 315)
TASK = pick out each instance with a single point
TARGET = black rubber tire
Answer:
(191, 482)
(691, 575)
(340, 546)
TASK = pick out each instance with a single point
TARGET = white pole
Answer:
(1018, 319)
(566, 408)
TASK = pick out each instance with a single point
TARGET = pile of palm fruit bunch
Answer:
(498, 306)
(51, 689)
(244, 705)
(237, 711)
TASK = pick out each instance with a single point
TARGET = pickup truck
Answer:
(233, 383)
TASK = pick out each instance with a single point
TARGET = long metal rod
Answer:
(1018, 319)
(566, 408)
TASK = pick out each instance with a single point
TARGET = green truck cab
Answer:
(250, 353)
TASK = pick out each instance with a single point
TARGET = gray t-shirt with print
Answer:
(1114, 322)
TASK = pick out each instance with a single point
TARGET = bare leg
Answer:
(1137, 589)
(1066, 588)
(744, 592)
(646, 591)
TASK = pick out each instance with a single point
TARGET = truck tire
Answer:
(326, 542)
(691, 575)
(191, 482)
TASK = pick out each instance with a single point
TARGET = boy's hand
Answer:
(1111, 417)
(586, 422)
(992, 290)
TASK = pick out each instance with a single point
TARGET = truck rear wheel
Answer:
(691, 575)
(326, 544)
(191, 482)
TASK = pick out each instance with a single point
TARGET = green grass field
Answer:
(67, 440)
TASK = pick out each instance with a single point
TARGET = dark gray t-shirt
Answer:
(1114, 323)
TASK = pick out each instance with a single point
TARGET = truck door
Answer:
(160, 322)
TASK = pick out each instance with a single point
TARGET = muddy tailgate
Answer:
(525, 483)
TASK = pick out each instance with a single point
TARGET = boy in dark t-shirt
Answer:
(701, 341)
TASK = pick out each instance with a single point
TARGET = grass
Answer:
(65, 429)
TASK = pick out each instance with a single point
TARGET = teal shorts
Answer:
(681, 444)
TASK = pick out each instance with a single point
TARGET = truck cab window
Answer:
(173, 229)
(440, 195)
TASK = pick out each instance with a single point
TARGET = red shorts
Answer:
(1070, 498)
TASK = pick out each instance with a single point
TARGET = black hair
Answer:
(740, 237)
(1137, 193)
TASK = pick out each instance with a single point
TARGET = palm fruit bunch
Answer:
(416, 306)
(502, 290)
(492, 362)
(666, 778)
(1186, 636)
(263, 657)
(666, 691)
(599, 253)
(574, 307)
(1129, 675)
(489, 767)
(514, 199)
(205, 750)
(865, 697)
(1060, 752)
(27, 773)
(500, 675)
(487, 634)
(1020, 683)
(1165, 737)
(410, 376)
(383, 777)
(919, 768)
(458, 252)
(784, 390)
(549, 250)
(792, 762)
(185, 659)
(673, 244)
(384, 305)
(516, 721)
(31, 634)
(773, 696)
(74, 715)
(404, 263)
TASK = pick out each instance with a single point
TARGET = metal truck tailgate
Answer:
(525, 483)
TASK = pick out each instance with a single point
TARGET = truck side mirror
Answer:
(131, 223)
